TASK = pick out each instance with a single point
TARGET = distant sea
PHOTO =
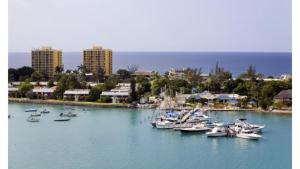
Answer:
(273, 64)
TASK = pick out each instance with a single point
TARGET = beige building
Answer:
(96, 58)
(45, 60)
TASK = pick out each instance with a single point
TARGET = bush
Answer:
(105, 99)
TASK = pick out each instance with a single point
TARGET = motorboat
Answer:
(181, 126)
(195, 128)
(32, 119)
(45, 111)
(35, 114)
(31, 110)
(217, 132)
(62, 119)
(165, 124)
(248, 135)
(69, 114)
(247, 127)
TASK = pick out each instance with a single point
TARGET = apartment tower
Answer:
(46, 60)
(96, 58)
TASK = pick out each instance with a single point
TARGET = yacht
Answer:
(217, 132)
(32, 119)
(31, 110)
(195, 128)
(248, 135)
(165, 124)
(247, 127)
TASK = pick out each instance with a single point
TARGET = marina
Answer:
(105, 137)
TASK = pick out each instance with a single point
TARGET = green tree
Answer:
(133, 95)
(36, 77)
(124, 74)
(95, 92)
(24, 88)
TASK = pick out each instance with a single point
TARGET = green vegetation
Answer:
(248, 84)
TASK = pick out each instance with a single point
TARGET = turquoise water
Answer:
(123, 139)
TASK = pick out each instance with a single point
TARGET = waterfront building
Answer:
(44, 92)
(96, 58)
(46, 60)
(76, 94)
(118, 94)
(284, 96)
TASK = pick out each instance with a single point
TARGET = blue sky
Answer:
(151, 25)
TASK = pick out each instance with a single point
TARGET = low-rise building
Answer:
(284, 96)
(76, 94)
(44, 92)
(118, 94)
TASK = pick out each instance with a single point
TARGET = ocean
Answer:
(273, 64)
(110, 138)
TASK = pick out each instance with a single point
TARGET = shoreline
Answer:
(124, 105)
(68, 103)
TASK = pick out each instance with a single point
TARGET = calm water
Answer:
(267, 63)
(123, 139)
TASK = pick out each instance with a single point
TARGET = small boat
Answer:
(33, 119)
(255, 128)
(250, 136)
(35, 114)
(31, 110)
(45, 111)
(217, 132)
(62, 119)
(69, 114)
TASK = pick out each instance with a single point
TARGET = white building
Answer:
(176, 73)
(76, 94)
(122, 91)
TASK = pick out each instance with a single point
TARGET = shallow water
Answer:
(124, 139)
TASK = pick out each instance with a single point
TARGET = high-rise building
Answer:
(96, 58)
(46, 60)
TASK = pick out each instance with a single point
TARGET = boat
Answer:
(195, 128)
(247, 127)
(181, 126)
(33, 119)
(31, 110)
(250, 136)
(35, 114)
(165, 124)
(62, 119)
(69, 114)
(45, 111)
(217, 132)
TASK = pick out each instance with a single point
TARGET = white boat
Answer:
(195, 128)
(217, 132)
(251, 136)
(35, 114)
(32, 119)
(255, 128)
(69, 114)
(45, 111)
(164, 124)
(31, 110)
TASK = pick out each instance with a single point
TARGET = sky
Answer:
(151, 25)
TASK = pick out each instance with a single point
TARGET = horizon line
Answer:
(175, 51)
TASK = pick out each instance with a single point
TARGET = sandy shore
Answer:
(69, 103)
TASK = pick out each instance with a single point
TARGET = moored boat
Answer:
(62, 119)
(69, 114)
(45, 111)
(35, 114)
(31, 110)
(217, 132)
(33, 119)
(251, 136)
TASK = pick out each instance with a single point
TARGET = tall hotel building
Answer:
(96, 58)
(45, 60)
